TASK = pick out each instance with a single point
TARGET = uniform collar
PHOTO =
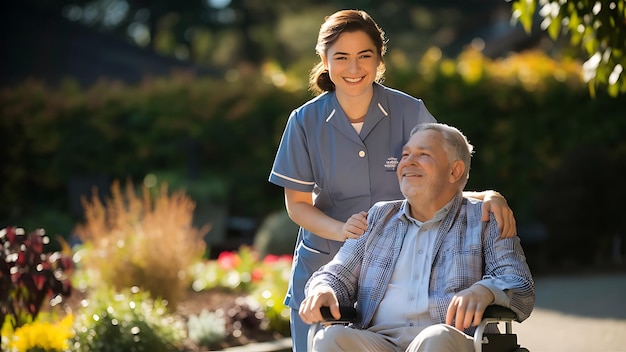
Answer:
(376, 112)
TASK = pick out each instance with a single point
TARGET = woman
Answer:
(339, 151)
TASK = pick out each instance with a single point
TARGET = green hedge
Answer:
(525, 114)
(215, 138)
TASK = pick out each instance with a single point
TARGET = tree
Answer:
(596, 26)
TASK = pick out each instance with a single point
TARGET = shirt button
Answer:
(420, 251)
(361, 153)
(411, 299)
(411, 324)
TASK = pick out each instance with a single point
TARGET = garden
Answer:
(131, 267)
(137, 280)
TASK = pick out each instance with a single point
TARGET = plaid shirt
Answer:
(466, 251)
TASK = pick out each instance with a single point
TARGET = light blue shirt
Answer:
(409, 281)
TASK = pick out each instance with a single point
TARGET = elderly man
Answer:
(427, 267)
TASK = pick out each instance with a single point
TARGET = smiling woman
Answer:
(356, 126)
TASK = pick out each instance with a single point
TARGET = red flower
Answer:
(286, 257)
(228, 260)
(257, 274)
(270, 259)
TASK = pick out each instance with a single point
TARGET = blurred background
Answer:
(195, 95)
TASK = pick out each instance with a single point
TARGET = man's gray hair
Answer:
(456, 144)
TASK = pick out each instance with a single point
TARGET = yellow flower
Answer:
(44, 335)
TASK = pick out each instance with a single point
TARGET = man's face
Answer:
(424, 169)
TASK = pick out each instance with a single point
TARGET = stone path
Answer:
(577, 314)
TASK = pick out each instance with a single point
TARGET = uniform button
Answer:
(361, 153)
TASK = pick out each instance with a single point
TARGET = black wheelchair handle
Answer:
(348, 314)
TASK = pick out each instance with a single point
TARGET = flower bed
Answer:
(138, 281)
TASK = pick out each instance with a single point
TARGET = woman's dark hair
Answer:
(334, 25)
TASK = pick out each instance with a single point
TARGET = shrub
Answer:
(232, 270)
(144, 242)
(29, 274)
(572, 188)
(276, 235)
(127, 321)
(206, 328)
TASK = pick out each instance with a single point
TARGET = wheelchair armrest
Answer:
(499, 313)
(495, 314)
(348, 315)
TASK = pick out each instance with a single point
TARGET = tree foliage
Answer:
(598, 27)
(233, 33)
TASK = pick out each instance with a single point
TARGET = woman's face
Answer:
(352, 62)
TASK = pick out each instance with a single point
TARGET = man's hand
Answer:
(467, 307)
(355, 226)
(310, 308)
(495, 203)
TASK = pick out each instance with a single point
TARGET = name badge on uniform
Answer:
(391, 164)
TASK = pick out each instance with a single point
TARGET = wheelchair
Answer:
(483, 342)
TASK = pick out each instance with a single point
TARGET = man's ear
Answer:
(456, 171)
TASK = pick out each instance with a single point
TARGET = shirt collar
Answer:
(439, 215)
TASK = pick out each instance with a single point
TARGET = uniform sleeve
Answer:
(292, 165)
(414, 113)
(423, 115)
